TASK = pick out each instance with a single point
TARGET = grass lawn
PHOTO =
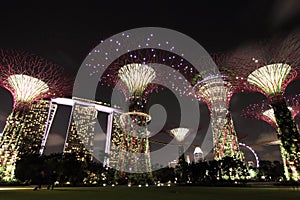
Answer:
(152, 193)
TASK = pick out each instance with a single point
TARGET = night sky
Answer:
(66, 32)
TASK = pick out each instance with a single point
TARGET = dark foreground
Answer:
(151, 193)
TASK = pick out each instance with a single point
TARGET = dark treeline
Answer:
(74, 172)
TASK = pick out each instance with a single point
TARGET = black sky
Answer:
(65, 31)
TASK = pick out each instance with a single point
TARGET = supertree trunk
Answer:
(289, 136)
(134, 147)
(134, 152)
(181, 153)
(225, 138)
(226, 143)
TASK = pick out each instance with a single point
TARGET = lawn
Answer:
(152, 193)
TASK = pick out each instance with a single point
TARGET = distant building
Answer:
(198, 155)
(80, 137)
(116, 141)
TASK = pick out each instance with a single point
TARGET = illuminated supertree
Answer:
(265, 112)
(269, 69)
(216, 91)
(103, 64)
(135, 70)
(135, 145)
(180, 134)
(28, 78)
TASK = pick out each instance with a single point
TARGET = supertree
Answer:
(134, 122)
(133, 73)
(268, 69)
(29, 78)
(149, 57)
(180, 134)
(264, 111)
(216, 91)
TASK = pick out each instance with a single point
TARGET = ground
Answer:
(153, 193)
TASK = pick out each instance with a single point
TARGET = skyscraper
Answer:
(34, 127)
(198, 155)
(81, 131)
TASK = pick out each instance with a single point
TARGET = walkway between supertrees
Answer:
(268, 68)
(264, 111)
(216, 91)
(28, 78)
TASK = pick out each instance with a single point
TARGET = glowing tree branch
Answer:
(28, 78)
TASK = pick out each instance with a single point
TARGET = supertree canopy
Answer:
(265, 112)
(28, 77)
(151, 57)
(270, 78)
(216, 91)
(269, 69)
(26, 87)
(136, 77)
